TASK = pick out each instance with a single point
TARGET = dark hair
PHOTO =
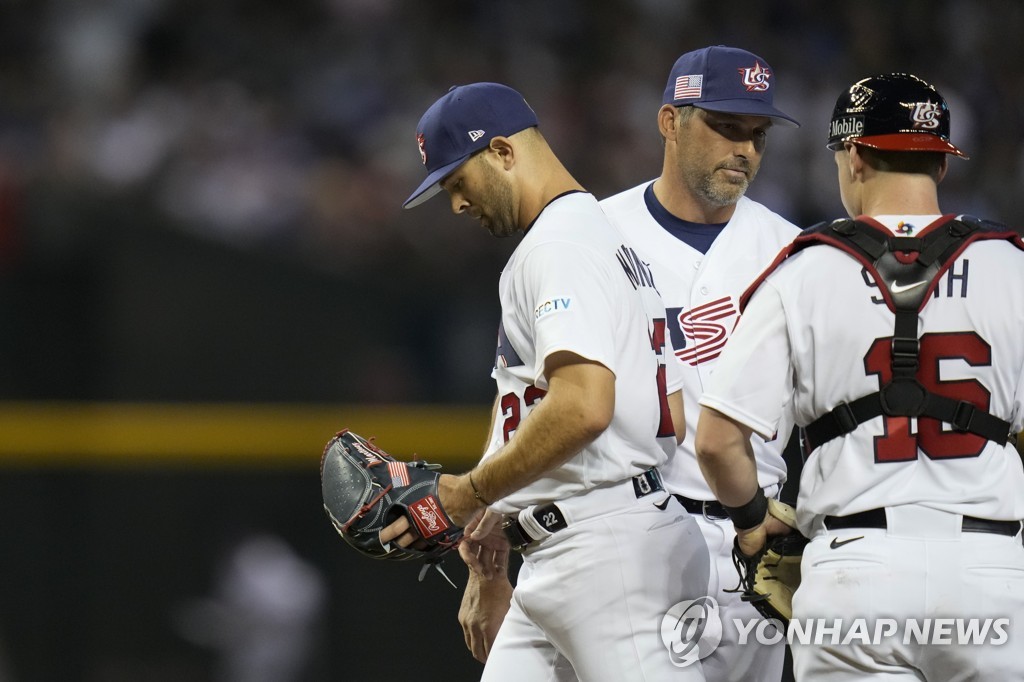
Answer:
(928, 163)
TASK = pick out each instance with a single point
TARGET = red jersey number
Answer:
(512, 408)
(665, 426)
(899, 444)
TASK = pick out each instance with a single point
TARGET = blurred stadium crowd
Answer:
(284, 131)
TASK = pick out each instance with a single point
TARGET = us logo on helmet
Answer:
(926, 115)
(423, 150)
(755, 78)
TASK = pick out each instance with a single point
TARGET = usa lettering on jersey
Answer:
(699, 334)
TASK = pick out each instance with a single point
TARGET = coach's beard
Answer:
(719, 189)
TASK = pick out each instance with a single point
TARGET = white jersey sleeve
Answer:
(567, 286)
(759, 384)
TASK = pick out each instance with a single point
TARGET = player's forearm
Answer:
(483, 608)
(557, 429)
(477, 582)
(726, 458)
(678, 412)
(495, 410)
(576, 410)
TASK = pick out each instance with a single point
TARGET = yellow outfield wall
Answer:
(123, 435)
(112, 434)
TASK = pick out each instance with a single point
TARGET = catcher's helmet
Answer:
(895, 112)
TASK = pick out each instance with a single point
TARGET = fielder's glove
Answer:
(769, 578)
(366, 489)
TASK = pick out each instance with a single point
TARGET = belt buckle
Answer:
(707, 516)
(648, 482)
(518, 541)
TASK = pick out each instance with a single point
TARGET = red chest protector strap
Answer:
(907, 270)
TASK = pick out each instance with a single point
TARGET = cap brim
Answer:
(747, 107)
(432, 185)
(909, 142)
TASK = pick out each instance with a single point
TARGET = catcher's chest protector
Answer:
(906, 270)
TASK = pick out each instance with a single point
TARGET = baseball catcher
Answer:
(365, 489)
(769, 577)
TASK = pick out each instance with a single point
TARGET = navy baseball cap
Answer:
(725, 79)
(462, 123)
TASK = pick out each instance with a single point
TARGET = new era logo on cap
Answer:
(724, 79)
(461, 123)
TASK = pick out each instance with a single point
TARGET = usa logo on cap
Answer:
(926, 115)
(755, 77)
(421, 141)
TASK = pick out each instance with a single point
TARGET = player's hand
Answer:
(457, 498)
(461, 509)
(485, 552)
(402, 534)
(487, 528)
(753, 540)
(484, 605)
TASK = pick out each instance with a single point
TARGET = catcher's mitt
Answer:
(365, 489)
(769, 578)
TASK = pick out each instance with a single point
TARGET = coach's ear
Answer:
(668, 117)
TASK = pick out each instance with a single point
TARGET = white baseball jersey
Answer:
(817, 333)
(572, 284)
(701, 294)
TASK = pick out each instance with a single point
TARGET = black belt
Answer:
(550, 517)
(711, 509)
(875, 518)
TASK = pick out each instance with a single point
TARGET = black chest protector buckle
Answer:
(903, 397)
